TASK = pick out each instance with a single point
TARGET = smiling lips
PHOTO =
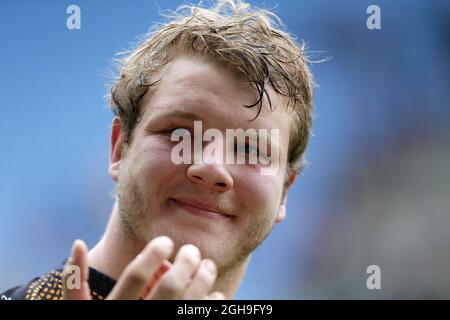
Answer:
(200, 208)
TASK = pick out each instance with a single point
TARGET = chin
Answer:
(210, 246)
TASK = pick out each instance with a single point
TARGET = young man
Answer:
(186, 230)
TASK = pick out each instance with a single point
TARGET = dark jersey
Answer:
(49, 287)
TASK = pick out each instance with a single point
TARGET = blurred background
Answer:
(376, 192)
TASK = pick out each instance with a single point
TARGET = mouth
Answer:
(199, 208)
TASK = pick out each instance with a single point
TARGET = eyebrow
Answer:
(192, 116)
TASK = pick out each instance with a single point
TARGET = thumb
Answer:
(76, 273)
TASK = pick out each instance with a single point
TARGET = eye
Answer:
(179, 132)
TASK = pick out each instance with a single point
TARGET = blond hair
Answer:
(249, 41)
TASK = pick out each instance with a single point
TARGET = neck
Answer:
(117, 248)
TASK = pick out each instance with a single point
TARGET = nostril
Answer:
(198, 178)
(221, 184)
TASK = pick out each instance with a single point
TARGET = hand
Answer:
(150, 275)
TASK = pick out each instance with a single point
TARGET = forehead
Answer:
(213, 94)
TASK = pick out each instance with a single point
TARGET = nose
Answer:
(211, 176)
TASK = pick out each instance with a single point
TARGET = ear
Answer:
(281, 215)
(117, 145)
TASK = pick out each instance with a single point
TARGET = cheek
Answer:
(258, 192)
(152, 161)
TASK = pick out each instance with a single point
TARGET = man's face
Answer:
(158, 197)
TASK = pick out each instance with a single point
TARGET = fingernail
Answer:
(191, 249)
(209, 266)
(165, 241)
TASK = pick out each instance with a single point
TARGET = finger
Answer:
(216, 295)
(203, 281)
(162, 269)
(173, 283)
(76, 273)
(140, 271)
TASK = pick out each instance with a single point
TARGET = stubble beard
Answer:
(138, 223)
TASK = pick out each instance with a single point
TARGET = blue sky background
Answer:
(381, 89)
